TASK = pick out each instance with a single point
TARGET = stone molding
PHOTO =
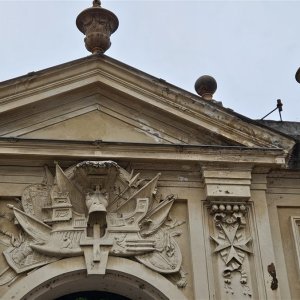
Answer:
(295, 224)
(105, 72)
(51, 149)
(60, 276)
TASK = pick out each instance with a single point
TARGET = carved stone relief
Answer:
(94, 209)
(231, 242)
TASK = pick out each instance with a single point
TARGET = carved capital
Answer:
(226, 183)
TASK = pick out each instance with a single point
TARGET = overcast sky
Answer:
(252, 48)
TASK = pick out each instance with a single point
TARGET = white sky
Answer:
(252, 48)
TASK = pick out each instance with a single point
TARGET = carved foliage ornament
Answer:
(231, 241)
(94, 209)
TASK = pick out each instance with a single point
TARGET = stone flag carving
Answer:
(94, 209)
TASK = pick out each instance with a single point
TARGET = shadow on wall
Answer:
(92, 295)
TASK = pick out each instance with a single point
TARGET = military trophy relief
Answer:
(231, 244)
(94, 209)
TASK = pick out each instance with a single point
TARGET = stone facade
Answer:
(114, 180)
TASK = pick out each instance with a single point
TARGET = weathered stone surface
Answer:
(197, 197)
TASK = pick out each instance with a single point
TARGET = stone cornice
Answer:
(107, 73)
(31, 148)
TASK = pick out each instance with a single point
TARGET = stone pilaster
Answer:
(231, 232)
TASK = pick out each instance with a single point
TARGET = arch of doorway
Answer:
(123, 277)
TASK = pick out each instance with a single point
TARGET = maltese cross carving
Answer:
(234, 242)
(231, 241)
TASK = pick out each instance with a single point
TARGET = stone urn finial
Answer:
(97, 24)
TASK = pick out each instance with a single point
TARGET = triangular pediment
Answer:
(98, 98)
(93, 126)
(97, 117)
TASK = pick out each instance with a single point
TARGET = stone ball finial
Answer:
(297, 75)
(98, 24)
(206, 86)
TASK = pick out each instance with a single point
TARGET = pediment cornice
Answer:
(100, 72)
(18, 148)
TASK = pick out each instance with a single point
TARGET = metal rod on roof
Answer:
(279, 107)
